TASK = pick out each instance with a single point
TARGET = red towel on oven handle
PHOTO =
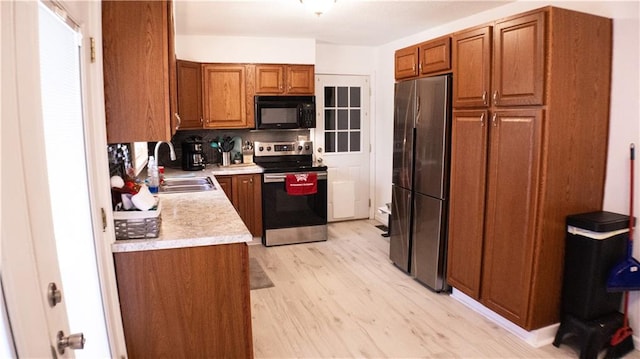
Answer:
(300, 184)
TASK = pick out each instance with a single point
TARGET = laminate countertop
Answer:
(195, 218)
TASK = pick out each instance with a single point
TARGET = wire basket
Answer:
(137, 224)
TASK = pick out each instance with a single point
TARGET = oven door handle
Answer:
(280, 177)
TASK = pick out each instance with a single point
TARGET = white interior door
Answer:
(341, 139)
(47, 232)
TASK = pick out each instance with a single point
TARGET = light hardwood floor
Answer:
(343, 298)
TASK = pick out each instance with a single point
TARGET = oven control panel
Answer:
(282, 148)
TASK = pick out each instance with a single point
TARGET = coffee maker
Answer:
(193, 154)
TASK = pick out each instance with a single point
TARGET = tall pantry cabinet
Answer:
(529, 147)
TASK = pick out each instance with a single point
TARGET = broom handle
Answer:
(632, 156)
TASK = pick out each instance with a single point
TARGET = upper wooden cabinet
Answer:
(138, 74)
(472, 67)
(518, 61)
(514, 76)
(189, 95)
(423, 59)
(284, 79)
(517, 172)
(224, 96)
(406, 63)
(221, 95)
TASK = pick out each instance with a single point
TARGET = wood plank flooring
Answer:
(343, 298)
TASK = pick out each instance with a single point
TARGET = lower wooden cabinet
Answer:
(186, 302)
(245, 193)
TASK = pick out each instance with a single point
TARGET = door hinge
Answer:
(92, 49)
(104, 219)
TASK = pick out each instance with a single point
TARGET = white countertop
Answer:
(235, 169)
(195, 218)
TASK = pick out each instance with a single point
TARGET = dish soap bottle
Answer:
(152, 175)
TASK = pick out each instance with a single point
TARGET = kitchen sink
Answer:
(181, 185)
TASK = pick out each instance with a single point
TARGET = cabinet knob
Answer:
(482, 120)
(484, 97)
(493, 120)
(495, 97)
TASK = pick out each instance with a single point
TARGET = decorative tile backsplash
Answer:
(121, 154)
(119, 159)
(211, 154)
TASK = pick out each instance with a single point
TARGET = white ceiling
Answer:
(349, 22)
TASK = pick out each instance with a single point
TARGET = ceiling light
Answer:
(318, 7)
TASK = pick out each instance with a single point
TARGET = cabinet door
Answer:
(469, 133)
(472, 68)
(300, 79)
(224, 96)
(512, 187)
(406, 62)
(226, 184)
(173, 73)
(435, 55)
(189, 94)
(269, 79)
(519, 54)
(136, 70)
(248, 201)
(186, 302)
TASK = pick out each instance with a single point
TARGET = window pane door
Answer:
(342, 143)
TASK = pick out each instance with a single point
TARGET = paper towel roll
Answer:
(143, 200)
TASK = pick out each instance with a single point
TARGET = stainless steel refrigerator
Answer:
(418, 222)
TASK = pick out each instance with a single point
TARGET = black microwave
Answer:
(285, 112)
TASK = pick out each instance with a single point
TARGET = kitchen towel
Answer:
(300, 184)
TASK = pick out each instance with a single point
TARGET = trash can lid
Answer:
(600, 221)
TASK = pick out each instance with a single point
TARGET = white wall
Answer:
(246, 49)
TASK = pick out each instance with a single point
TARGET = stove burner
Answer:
(295, 156)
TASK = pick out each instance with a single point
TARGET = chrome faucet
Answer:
(172, 151)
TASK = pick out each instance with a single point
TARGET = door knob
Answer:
(54, 295)
(73, 341)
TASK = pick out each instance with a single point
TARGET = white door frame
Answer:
(23, 179)
(317, 134)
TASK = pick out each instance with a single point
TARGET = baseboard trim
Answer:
(536, 338)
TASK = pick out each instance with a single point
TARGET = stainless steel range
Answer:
(294, 193)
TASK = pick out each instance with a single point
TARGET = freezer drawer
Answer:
(400, 227)
(429, 241)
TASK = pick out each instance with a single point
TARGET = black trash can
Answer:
(595, 243)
